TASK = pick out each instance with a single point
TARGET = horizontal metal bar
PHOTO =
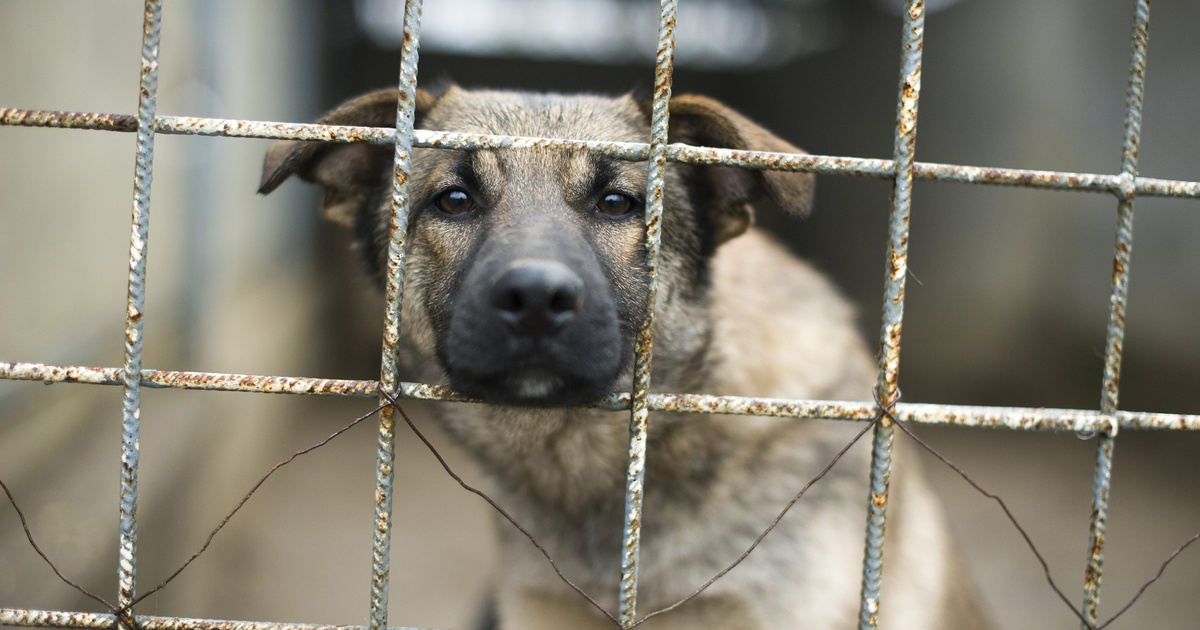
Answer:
(190, 380)
(633, 151)
(58, 619)
(1019, 418)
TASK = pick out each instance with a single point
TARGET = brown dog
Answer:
(524, 288)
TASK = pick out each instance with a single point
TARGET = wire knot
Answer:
(887, 409)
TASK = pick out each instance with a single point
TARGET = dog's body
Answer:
(525, 288)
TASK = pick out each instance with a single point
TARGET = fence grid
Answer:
(902, 169)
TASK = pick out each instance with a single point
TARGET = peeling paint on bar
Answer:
(103, 621)
(632, 151)
(190, 380)
(67, 120)
(887, 387)
(402, 133)
(135, 307)
(635, 475)
(1115, 337)
(1151, 187)
(1016, 418)
(398, 221)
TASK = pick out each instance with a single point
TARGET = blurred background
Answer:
(1006, 304)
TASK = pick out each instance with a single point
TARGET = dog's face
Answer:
(526, 279)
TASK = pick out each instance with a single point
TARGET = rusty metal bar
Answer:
(912, 43)
(398, 231)
(635, 476)
(1014, 418)
(103, 621)
(160, 379)
(68, 120)
(132, 373)
(1101, 481)
(633, 151)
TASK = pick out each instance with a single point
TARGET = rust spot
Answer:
(894, 260)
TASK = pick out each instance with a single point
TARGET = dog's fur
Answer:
(493, 230)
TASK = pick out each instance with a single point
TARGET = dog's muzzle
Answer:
(534, 324)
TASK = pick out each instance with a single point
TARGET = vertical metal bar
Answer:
(140, 234)
(1116, 317)
(385, 472)
(640, 406)
(893, 305)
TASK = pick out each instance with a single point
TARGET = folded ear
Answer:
(348, 172)
(729, 191)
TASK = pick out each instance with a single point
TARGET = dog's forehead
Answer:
(581, 117)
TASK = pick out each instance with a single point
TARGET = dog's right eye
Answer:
(616, 204)
(454, 201)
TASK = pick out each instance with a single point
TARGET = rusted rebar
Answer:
(904, 148)
(639, 405)
(135, 306)
(1015, 418)
(1115, 337)
(633, 151)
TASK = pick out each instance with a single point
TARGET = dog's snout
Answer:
(537, 298)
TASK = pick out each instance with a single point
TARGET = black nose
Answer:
(537, 298)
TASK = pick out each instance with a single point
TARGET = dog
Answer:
(525, 288)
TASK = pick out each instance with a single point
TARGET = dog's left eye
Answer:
(454, 201)
(616, 204)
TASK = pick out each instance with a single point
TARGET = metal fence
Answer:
(1125, 186)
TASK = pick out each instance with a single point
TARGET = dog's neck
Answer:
(569, 458)
(573, 461)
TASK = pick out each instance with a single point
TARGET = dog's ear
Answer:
(348, 172)
(729, 191)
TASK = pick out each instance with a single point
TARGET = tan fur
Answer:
(749, 320)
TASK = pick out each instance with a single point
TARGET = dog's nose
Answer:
(537, 298)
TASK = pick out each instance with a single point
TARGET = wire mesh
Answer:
(902, 170)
